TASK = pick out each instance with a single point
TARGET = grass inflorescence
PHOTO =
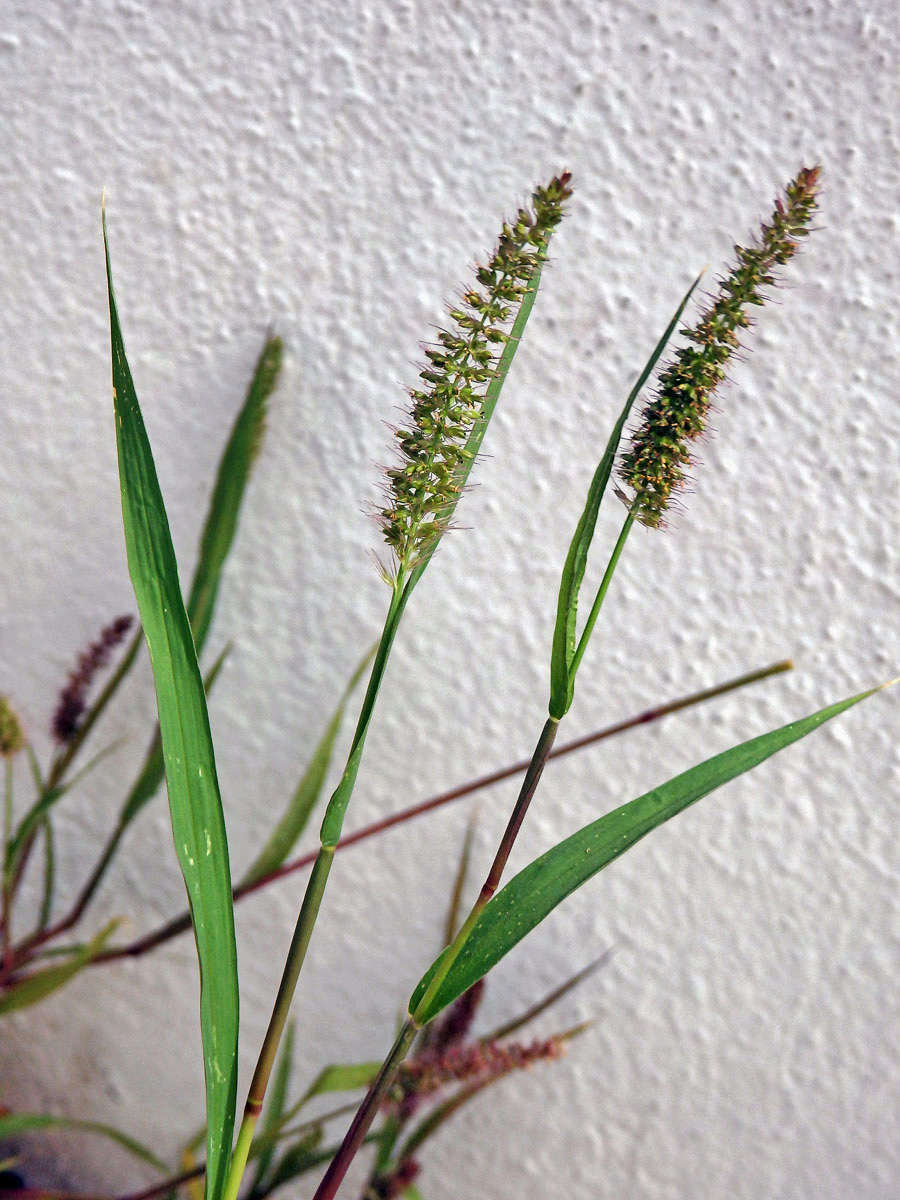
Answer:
(654, 465)
(73, 698)
(11, 737)
(424, 487)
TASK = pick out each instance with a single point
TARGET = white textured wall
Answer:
(333, 169)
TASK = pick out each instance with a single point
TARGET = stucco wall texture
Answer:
(331, 171)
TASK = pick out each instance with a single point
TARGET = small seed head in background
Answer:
(73, 698)
(11, 737)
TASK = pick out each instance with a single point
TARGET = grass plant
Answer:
(435, 1064)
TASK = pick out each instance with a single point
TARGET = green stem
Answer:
(492, 880)
(369, 1107)
(312, 899)
(309, 910)
(366, 1113)
(601, 595)
(6, 916)
(416, 1019)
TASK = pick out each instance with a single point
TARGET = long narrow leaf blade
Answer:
(532, 894)
(13, 1124)
(235, 466)
(40, 984)
(39, 811)
(340, 1077)
(564, 634)
(153, 768)
(198, 823)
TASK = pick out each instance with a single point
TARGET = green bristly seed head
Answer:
(11, 737)
(654, 465)
(423, 488)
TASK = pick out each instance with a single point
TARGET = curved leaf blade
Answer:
(40, 984)
(198, 823)
(564, 634)
(12, 1124)
(532, 894)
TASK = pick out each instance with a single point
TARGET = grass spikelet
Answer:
(655, 464)
(423, 488)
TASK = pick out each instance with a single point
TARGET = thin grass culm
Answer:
(447, 422)
(653, 468)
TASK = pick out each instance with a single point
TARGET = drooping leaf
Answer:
(237, 461)
(198, 823)
(532, 894)
(562, 682)
(37, 986)
(12, 1124)
(292, 824)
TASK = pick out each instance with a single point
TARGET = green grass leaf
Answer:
(292, 824)
(153, 768)
(340, 1077)
(49, 882)
(40, 809)
(532, 894)
(198, 824)
(562, 679)
(241, 451)
(303, 1156)
(220, 527)
(37, 986)
(13, 1124)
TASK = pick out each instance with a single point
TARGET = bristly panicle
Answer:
(465, 1062)
(423, 489)
(73, 698)
(655, 464)
(459, 1017)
